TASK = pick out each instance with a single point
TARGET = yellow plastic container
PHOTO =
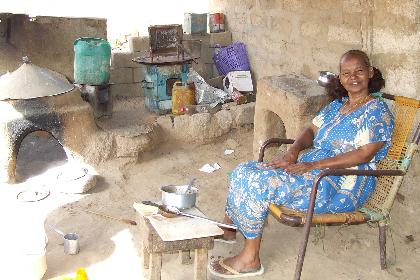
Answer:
(182, 95)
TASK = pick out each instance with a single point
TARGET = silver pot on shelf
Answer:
(325, 78)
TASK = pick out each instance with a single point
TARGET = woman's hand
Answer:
(282, 161)
(300, 168)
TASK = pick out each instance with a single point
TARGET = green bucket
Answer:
(91, 61)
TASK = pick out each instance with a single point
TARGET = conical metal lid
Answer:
(31, 81)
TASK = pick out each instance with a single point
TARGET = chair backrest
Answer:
(399, 154)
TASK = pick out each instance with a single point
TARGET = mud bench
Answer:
(182, 234)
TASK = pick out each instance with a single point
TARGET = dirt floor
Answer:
(109, 249)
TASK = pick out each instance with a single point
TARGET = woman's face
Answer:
(355, 74)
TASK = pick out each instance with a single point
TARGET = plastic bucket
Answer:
(91, 61)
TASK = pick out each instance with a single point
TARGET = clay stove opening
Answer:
(38, 152)
(274, 127)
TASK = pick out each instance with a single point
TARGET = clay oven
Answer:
(37, 99)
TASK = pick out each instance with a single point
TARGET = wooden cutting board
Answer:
(180, 227)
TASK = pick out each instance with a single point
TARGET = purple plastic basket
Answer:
(231, 58)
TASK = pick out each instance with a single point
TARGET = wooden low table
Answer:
(166, 235)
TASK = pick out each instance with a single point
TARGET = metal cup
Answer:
(71, 243)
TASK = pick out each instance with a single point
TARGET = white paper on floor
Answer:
(228, 152)
(209, 168)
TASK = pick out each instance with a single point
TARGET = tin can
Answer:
(217, 22)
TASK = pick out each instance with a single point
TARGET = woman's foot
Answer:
(229, 235)
(235, 266)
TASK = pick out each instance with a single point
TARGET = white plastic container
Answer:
(239, 80)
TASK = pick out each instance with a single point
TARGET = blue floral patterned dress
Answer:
(252, 188)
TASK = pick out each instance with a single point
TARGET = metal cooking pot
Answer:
(180, 197)
(325, 77)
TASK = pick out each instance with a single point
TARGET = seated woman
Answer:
(354, 130)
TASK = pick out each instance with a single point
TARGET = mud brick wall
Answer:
(47, 41)
(304, 37)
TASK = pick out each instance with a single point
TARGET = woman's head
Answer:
(356, 75)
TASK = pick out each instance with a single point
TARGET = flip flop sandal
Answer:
(230, 273)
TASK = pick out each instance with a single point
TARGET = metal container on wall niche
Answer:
(195, 23)
(217, 22)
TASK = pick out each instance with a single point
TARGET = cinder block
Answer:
(214, 71)
(126, 90)
(206, 55)
(139, 44)
(138, 74)
(221, 38)
(121, 75)
(205, 38)
(123, 59)
(351, 6)
(206, 70)
(344, 35)
(310, 29)
(257, 19)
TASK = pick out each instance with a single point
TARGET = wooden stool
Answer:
(154, 246)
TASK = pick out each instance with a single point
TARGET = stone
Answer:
(126, 90)
(133, 146)
(388, 41)
(80, 185)
(138, 74)
(121, 75)
(165, 122)
(221, 38)
(285, 105)
(224, 120)
(243, 114)
(231, 144)
(345, 35)
(352, 6)
(138, 44)
(120, 59)
(310, 29)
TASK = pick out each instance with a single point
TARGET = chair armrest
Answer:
(271, 142)
(310, 212)
(344, 171)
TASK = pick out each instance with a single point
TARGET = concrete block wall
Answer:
(304, 37)
(209, 41)
(47, 41)
(126, 75)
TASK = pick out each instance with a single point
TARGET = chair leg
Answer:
(382, 243)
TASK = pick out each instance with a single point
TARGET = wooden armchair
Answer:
(390, 172)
